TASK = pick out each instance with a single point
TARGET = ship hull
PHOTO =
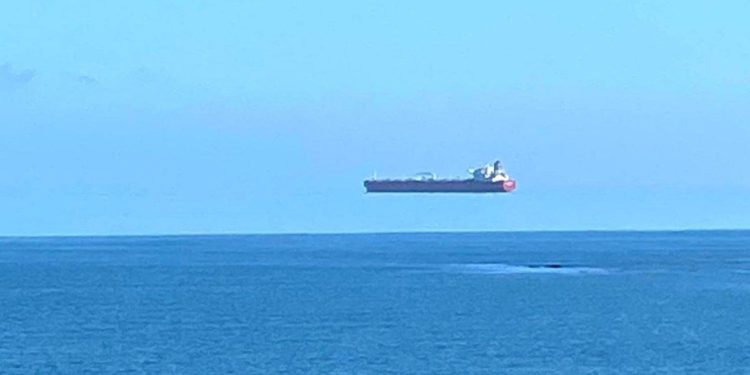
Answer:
(439, 186)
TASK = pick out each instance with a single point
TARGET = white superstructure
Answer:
(490, 172)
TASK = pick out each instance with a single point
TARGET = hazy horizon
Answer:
(384, 233)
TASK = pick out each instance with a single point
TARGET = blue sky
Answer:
(265, 116)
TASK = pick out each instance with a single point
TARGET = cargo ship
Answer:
(491, 178)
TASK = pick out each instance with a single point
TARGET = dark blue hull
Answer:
(438, 186)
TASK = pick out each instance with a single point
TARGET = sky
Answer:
(181, 117)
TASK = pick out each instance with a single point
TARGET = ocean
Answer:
(423, 303)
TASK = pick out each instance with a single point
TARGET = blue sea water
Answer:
(622, 303)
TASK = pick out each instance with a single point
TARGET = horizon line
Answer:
(333, 233)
